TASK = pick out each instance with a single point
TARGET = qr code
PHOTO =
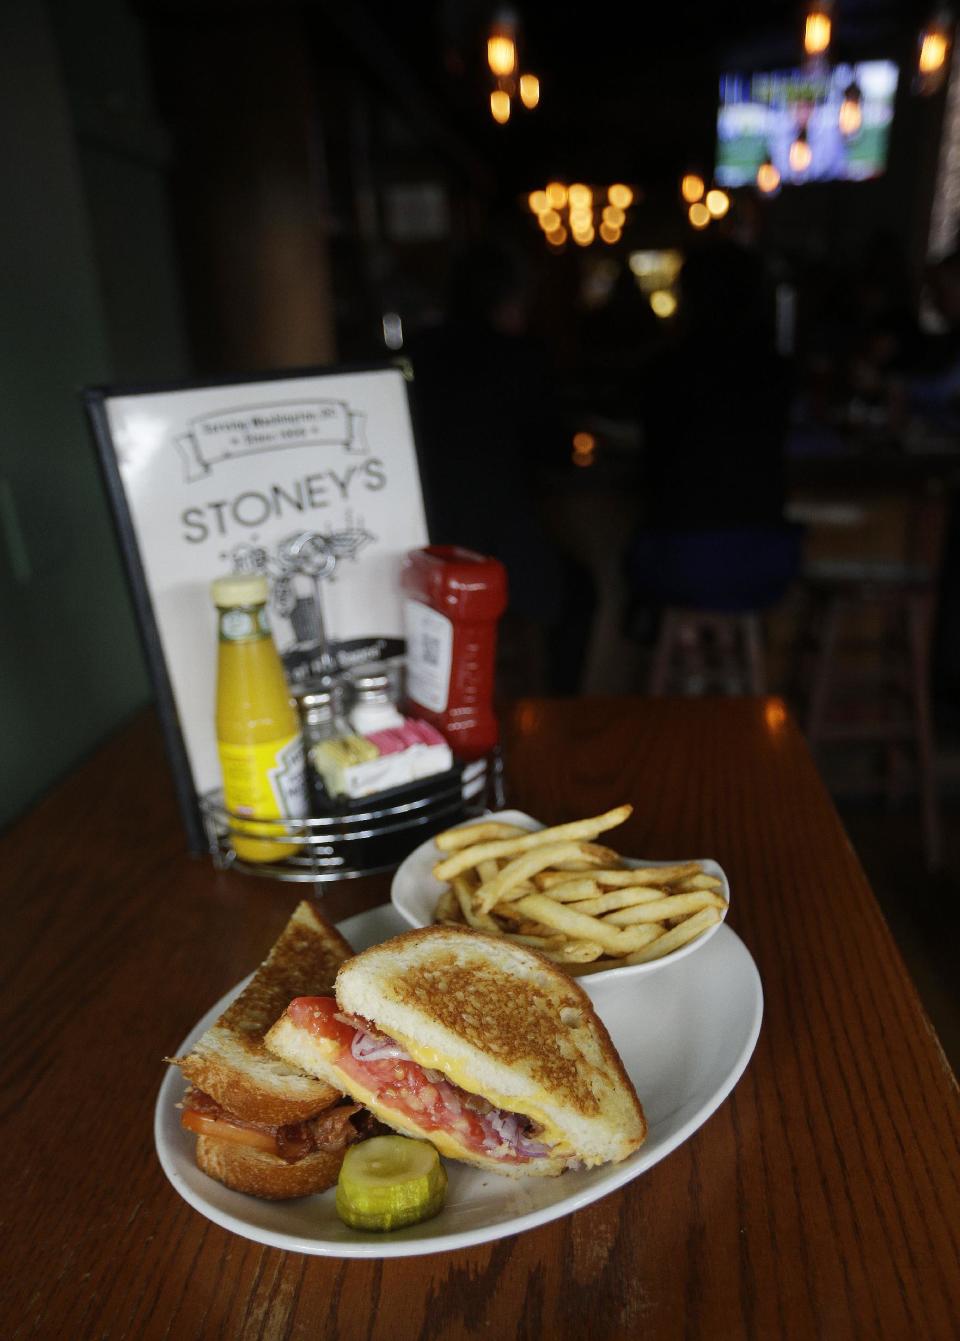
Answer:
(430, 649)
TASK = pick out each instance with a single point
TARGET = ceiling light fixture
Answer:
(818, 29)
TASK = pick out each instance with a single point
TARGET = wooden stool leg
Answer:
(823, 671)
(663, 653)
(728, 657)
(919, 615)
(693, 633)
(753, 644)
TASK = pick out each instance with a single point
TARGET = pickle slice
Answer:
(390, 1181)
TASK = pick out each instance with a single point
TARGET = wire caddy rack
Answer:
(368, 837)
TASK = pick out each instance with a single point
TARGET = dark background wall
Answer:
(200, 188)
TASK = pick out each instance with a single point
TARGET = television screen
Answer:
(840, 115)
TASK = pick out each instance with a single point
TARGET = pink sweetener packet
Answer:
(426, 734)
(388, 741)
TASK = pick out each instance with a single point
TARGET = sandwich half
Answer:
(263, 1126)
(474, 1043)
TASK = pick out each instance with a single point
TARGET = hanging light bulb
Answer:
(557, 236)
(500, 106)
(698, 214)
(538, 201)
(768, 177)
(620, 196)
(609, 232)
(501, 54)
(613, 216)
(817, 29)
(691, 187)
(717, 202)
(556, 195)
(851, 110)
(549, 220)
(800, 156)
(529, 91)
(933, 53)
(580, 196)
(663, 302)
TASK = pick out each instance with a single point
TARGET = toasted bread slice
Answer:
(499, 1021)
(260, 1174)
(230, 1063)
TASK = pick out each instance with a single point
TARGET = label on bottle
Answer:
(429, 655)
(265, 781)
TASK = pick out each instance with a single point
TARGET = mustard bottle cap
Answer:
(239, 589)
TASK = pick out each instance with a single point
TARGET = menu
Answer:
(310, 479)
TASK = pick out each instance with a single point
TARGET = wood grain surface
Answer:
(821, 1200)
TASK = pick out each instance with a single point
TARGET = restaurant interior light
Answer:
(663, 302)
(801, 155)
(698, 214)
(584, 448)
(549, 220)
(557, 236)
(610, 233)
(529, 91)
(583, 237)
(556, 195)
(933, 53)
(620, 196)
(717, 202)
(768, 177)
(851, 110)
(817, 30)
(500, 106)
(691, 188)
(539, 201)
(501, 54)
(613, 216)
(580, 196)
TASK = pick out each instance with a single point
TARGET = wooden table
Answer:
(820, 1200)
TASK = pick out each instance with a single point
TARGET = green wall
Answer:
(88, 296)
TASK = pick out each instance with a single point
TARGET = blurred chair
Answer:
(882, 697)
(713, 588)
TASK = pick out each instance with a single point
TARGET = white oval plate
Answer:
(684, 1037)
(415, 891)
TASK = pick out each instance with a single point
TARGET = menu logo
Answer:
(212, 438)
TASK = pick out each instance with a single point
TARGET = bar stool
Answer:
(889, 703)
(703, 650)
(713, 588)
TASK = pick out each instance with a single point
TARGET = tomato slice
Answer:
(203, 1125)
(402, 1085)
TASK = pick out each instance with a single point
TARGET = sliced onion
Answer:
(376, 1048)
(531, 1149)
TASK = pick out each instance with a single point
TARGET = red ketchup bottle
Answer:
(453, 599)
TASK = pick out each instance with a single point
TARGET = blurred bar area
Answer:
(677, 292)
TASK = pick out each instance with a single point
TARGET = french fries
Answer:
(572, 899)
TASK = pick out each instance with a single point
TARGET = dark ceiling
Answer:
(626, 91)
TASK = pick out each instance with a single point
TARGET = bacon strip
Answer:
(330, 1130)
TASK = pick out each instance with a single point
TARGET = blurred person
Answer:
(715, 410)
(931, 369)
(486, 428)
(715, 406)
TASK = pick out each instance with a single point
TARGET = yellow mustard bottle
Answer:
(258, 730)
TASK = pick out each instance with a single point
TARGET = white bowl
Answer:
(415, 891)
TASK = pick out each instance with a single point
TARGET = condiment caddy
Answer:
(383, 766)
